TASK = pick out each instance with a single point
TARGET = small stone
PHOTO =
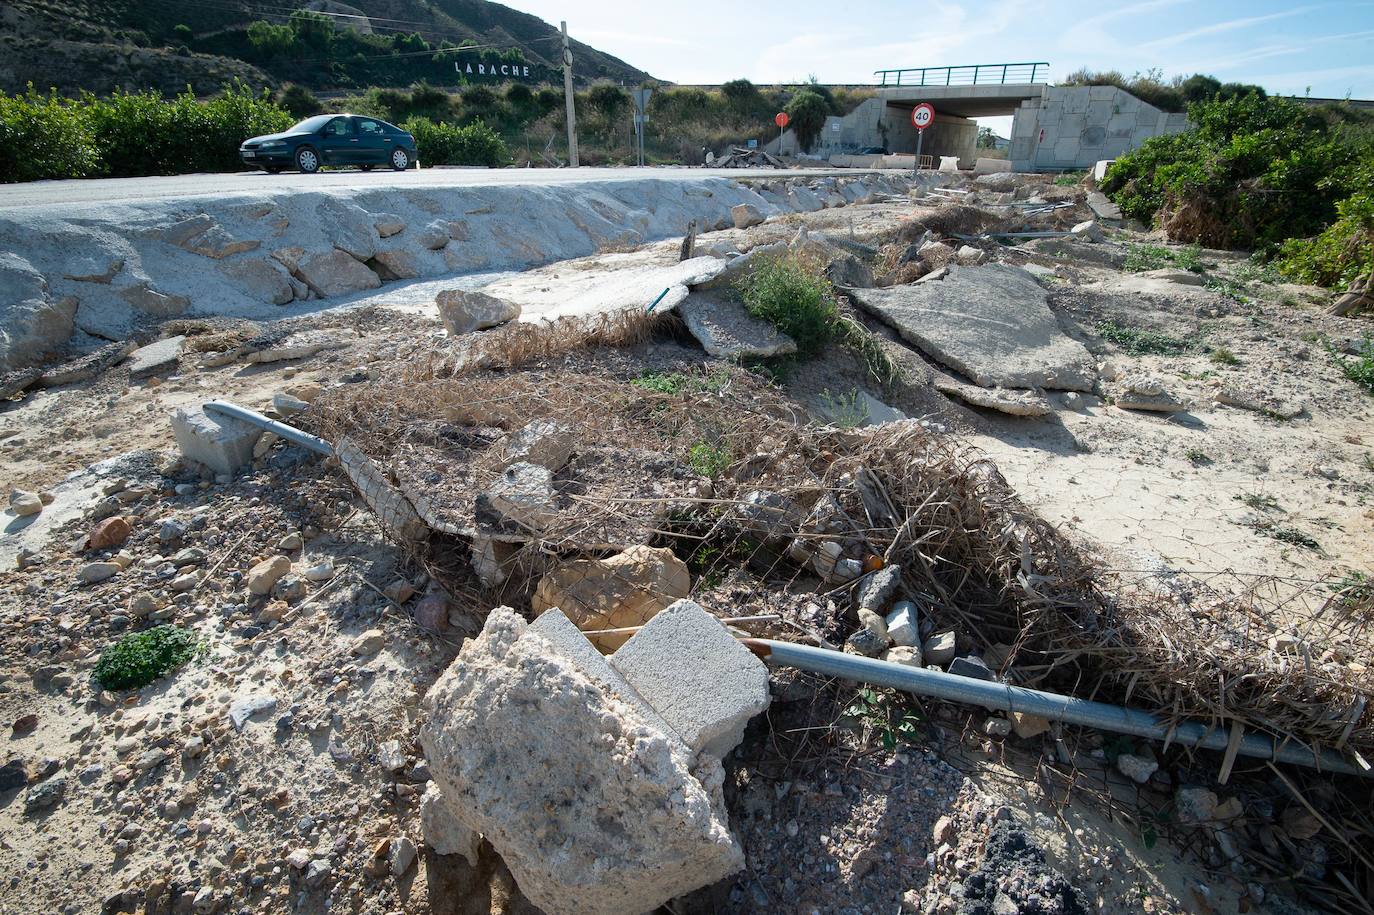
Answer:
(13, 775)
(95, 572)
(290, 589)
(1137, 768)
(391, 757)
(746, 215)
(1027, 726)
(193, 747)
(997, 728)
(110, 533)
(243, 709)
(902, 625)
(185, 582)
(204, 901)
(909, 655)
(45, 795)
(972, 666)
(1194, 805)
(290, 543)
(402, 855)
(943, 833)
(150, 759)
(316, 873)
(400, 591)
(141, 605)
(265, 574)
(370, 642)
(24, 503)
(877, 588)
(1299, 824)
(322, 572)
(24, 724)
(940, 648)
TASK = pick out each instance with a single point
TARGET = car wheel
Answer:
(400, 159)
(307, 160)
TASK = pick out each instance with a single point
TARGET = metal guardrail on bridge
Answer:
(966, 75)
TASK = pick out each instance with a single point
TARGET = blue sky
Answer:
(1288, 48)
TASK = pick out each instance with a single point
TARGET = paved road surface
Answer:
(123, 190)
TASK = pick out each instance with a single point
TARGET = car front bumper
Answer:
(265, 156)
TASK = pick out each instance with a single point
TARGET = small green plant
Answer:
(1259, 502)
(708, 460)
(139, 658)
(845, 410)
(1141, 342)
(680, 382)
(1228, 288)
(1140, 258)
(1255, 270)
(884, 714)
(1197, 457)
(1360, 368)
(1069, 179)
(1289, 535)
(796, 299)
(1223, 356)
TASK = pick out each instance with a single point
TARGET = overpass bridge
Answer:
(1053, 127)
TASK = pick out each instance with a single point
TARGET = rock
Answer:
(261, 279)
(286, 405)
(369, 643)
(185, 582)
(290, 589)
(45, 795)
(1299, 823)
(335, 272)
(867, 642)
(24, 503)
(464, 312)
(395, 265)
(746, 215)
(876, 589)
(243, 709)
(443, 833)
(152, 303)
(265, 574)
(1194, 805)
(222, 443)
(726, 330)
(290, 543)
(524, 495)
(33, 323)
(95, 572)
(769, 514)
(1259, 403)
(1106, 211)
(317, 873)
(390, 756)
(940, 648)
(435, 235)
(997, 728)
(110, 533)
(1088, 231)
(542, 442)
(388, 224)
(1137, 768)
(1027, 726)
(627, 589)
(592, 808)
(204, 901)
(972, 666)
(13, 775)
(992, 323)
(321, 572)
(402, 855)
(909, 655)
(902, 625)
(298, 345)
(1011, 402)
(969, 256)
(1144, 392)
(432, 610)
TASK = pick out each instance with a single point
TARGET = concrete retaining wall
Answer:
(71, 273)
(1072, 127)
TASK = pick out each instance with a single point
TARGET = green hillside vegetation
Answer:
(1289, 180)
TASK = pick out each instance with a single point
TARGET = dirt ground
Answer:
(218, 788)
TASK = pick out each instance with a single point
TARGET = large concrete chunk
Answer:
(992, 323)
(156, 357)
(594, 811)
(726, 330)
(704, 683)
(336, 273)
(464, 312)
(219, 442)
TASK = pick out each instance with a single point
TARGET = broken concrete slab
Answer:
(726, 330)
(524, 494)
(222, 443)
(746, 215)
(544, 442)
(86, 367)
(298, 345)
(1147, 393)
(443, 832)
(630, 289)
(704, 683)
(1011, 402)
(156, 357)
(594, 810)
(627, 589)
(1107, 212)
(465, 311)
(992, 323)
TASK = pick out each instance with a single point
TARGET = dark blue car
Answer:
(332, 139)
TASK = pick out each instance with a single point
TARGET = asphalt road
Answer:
(96, 191)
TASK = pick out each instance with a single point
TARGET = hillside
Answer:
(103, 45)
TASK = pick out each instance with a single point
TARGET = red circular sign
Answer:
(922, 116)
(782, 119)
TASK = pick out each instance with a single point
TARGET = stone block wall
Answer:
(1071, 127)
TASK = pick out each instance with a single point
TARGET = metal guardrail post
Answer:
(1004, 74)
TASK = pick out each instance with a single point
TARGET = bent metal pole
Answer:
(1001, 696)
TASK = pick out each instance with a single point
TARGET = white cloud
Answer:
(1219, 27)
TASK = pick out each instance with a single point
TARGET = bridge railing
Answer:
(966, 75)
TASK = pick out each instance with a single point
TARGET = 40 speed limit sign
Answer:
(922, 116)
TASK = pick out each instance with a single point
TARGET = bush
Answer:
(794, 298)
(445, 144)
(139, 658)
(1343, 252)
(808, 111)
(1253, 172)
(65, 149)
(298, 100)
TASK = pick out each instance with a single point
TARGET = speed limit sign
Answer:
(922, 116)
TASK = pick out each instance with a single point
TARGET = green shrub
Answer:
(44, 136)
(1343, 252)
(1141, 342)
(808, 111)
(139, 658)
(1360, 368)
(796, 299)
(446, 144)
(708, 460)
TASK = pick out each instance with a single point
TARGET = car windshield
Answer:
(310, 125)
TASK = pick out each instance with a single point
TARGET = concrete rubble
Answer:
(627, 589)
(593, 805)
(726, 330)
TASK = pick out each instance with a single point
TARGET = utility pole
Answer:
(568, 96)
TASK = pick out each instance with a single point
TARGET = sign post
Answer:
(922, 116)
(641, 100)
(781, 120)
(568, 97)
